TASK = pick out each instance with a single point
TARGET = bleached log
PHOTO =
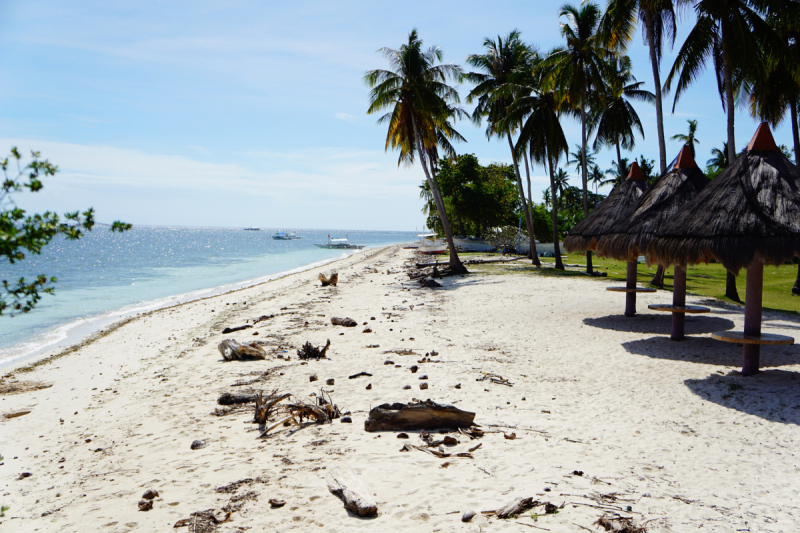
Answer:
(343, 481)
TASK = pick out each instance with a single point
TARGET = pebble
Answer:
(468, 515)
(313, 377)
(458, 385)
(330, 381)
(406, 387)
(423, 386)
(149, 494)
(425, 376)
(145, 505)
(347, 420)
(196, 445)
(414, 369)
(402, 435)
(369, 387)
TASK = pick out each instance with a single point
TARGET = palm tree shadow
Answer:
(771, 394)
(660, 323)
(707, 351)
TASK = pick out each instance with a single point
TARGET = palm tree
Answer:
(619, 171)
(494, 91)
(719, 157)
(561, 181)
(733, 34)
(575, 158)
(688, 139)
(617, 119)
(576, 73)
(658, 24)
(421, 108)
(596, 177)
(542, 137)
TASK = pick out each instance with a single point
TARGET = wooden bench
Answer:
(739, 337)
(692, 309)
(626, 289)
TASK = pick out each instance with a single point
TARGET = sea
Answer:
(105, 277)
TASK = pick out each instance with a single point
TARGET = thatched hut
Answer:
(747, 217)
(628, 238)
(616, 207)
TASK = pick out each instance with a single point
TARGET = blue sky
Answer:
(245, 113)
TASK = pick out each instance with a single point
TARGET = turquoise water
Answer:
(105, 277)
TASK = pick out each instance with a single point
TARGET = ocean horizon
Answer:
(104, 277)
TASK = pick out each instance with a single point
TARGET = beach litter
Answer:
(232, 350)
(307, 351)
(333, 280)
(343, 482)
(422, 415)
(346, 322)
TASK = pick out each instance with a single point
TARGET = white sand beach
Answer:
(609, 414)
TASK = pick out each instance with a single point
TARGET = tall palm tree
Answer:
(576, 73)
(561, 181)
(421, 107)
(688, 139)
(495, 89)
(733, 34)
(658, 27)
(617, 119)
(596, 177)
(576, 158)
(542, 139)
(719, 157)
(619, 171)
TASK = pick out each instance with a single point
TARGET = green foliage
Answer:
(3, 510)
(22, 233)
(542, 223)
(476, 197)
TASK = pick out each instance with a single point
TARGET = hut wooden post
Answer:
(678, 300)
(630, 296)
(752, 315)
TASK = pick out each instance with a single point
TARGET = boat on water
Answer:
(340, 244)
(252, 229)
(283, 236)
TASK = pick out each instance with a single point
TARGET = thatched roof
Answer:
(616, 206)
(751, 209)
(628, 238)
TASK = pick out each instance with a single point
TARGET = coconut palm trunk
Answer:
(730, 280)
(662, 147)
(584, 178)
(525, 206)
(455, 262)
(796, 139)
(554, 203)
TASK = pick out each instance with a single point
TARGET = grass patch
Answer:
(701, 280)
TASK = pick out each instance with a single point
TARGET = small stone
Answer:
(149, 494)
(402, 435)
(423, 386)
(198, 444)
(145, 505)
(458, 385)
(414, 369)
(369, 386)
(450, 441)
(547, 489)
(275, 503)
(28, 474)
(387, 362)
(255, 333)
(424, 376)
(406, 387)
(468, 515)
(347, 420)
(367, 330)
(313, 377)
(372, 318)
(330, 381)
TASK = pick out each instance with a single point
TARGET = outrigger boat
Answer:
(282, 236)
(340, 244)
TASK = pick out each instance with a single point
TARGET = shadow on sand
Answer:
(659, 323)
(773, 395)
(706, 350)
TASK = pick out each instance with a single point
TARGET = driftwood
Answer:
(231, 350)
(343, 481)
(264, 405)
(333, 280)
(237, 328)
(323, 411)
(229, 398)
(346, 322)
(313, 352)
(618, 524)
(423, 415)
(518, 506)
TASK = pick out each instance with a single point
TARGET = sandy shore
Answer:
(669, 429)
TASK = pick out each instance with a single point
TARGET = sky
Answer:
(253, 113)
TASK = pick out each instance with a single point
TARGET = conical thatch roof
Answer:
(628, 238)
(752, 208)
(616, 206)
